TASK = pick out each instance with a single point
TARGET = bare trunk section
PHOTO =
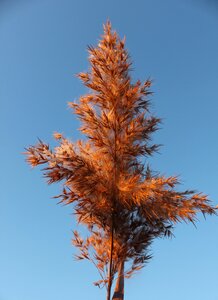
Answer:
(119, 288)
(110, 262)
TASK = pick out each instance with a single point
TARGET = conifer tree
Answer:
(123, 204)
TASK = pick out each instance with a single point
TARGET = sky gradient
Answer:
(43, 45)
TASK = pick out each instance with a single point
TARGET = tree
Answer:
(123, 204)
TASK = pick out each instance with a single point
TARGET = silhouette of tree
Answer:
(123, 204)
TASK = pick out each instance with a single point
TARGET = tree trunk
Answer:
(111, 261)
(119, 288)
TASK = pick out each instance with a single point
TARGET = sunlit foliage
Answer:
(123, 204)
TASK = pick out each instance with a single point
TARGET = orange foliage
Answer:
(104, 176)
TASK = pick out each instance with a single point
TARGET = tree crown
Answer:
(105, 177)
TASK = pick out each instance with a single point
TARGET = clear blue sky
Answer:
(43, 44)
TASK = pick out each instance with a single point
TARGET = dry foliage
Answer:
(122, 203)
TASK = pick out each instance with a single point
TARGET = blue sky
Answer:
(43, 44)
